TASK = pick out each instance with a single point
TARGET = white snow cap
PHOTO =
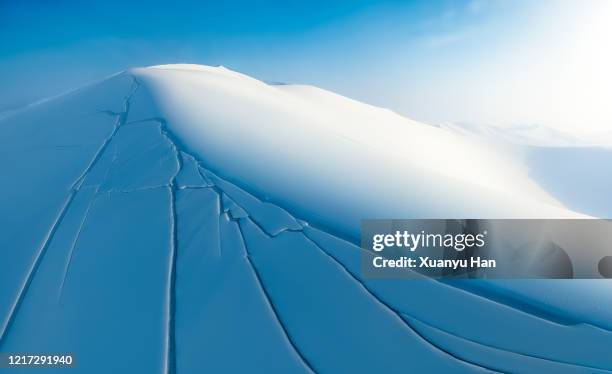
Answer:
(324, 155)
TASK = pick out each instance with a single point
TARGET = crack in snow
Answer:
(194, 187)
(219, 192)
(73, 246)
(110, 112)
(34, 267)
(74, 188)
(81, 225)
(170, 334)
(131, 190)
(406, 316)
(121, 118)
(269, 301)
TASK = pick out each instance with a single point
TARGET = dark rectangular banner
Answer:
(487, 248)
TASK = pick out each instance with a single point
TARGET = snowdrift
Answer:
(188, 219)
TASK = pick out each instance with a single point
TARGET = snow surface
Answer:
(535, 135)
(575, 169)
(193, 219)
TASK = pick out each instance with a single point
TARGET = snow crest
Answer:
(195, 219)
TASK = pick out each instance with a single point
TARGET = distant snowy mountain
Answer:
(184, 219)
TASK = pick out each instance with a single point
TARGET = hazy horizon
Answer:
(492, 62)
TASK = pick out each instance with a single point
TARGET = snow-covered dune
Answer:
(323, 155)
(575, 169)
(187, 219)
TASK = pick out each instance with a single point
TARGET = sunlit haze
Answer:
(500, 63)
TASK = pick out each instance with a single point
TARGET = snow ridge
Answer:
(172, 244)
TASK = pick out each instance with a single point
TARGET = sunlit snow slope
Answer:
(190, 219)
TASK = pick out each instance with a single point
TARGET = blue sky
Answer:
(480, 61)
